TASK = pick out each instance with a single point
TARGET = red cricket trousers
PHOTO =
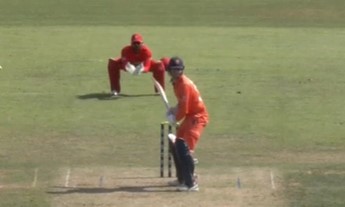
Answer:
(115, 65)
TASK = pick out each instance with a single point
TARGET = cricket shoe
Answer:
(195, 178)
(175, 183)
(114, 94)
(184, 188)
(196, 161)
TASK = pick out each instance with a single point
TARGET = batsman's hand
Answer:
(171, 118)
(172, 110)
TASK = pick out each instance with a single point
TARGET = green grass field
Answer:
(270, 71)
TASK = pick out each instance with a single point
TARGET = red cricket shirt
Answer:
(144, 56)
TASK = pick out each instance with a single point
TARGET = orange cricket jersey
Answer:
(144, 56)
(189, 100)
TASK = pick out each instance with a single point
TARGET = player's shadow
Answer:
(108, 97)
(95, 190)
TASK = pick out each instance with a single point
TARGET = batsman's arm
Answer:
(183, 101)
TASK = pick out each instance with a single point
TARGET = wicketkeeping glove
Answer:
(139, 69)
(130, 68)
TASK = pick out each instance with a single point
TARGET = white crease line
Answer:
(34, 182)
(67, 177)
(101, 180)
(272, 181)
(238, 183)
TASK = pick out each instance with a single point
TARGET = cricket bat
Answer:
(161, 93)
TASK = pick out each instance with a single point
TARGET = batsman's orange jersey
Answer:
(143, 56)
(189, 100)
(191, 110)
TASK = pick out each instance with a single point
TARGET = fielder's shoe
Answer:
(114, 94)
(184, 188)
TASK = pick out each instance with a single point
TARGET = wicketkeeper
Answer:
(192, 115)
(136, 58)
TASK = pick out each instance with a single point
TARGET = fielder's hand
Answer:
(130, 68)
(138, 69)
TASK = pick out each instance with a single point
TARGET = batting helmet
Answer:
(175, 63)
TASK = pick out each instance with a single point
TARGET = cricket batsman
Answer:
(192, 115)
(136, 59)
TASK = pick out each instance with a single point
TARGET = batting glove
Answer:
(171, 118)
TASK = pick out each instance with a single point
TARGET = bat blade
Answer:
(161, 93)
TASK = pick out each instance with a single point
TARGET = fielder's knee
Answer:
(111, 63)
(165, 62)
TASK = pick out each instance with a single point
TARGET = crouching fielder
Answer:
(192, 115)
(136, 58)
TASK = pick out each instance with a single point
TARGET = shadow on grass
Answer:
(108, 97)
(96, 190)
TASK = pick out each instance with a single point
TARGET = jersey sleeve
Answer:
(183, 97)
(147, 55)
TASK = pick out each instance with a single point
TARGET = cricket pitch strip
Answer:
(131, 187)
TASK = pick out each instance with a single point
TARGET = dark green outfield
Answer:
(272, 13)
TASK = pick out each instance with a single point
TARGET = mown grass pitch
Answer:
(271, 73)
(104, 186)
